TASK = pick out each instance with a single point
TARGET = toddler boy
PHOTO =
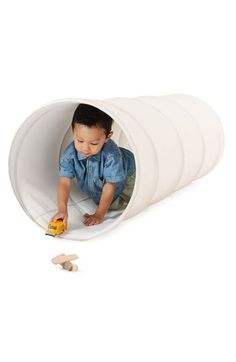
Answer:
(102, 170)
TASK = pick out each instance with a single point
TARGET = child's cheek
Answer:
(99, 148)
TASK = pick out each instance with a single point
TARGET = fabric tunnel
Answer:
(175, 139)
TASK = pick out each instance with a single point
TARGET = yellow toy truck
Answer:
(55, 228)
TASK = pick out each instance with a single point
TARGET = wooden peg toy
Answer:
(65, 261)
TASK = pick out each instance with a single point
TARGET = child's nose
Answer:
(86, 150)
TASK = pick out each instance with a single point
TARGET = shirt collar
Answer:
(82, 157)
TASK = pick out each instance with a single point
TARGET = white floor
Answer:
(161, 284)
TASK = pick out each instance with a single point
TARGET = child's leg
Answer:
(128, 189)
(117, 204)
(126, 194)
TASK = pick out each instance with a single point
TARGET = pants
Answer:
(125, 195)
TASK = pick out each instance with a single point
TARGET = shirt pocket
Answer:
(99, 182)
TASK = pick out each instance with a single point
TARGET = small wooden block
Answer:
(69, 266)
(62, 258)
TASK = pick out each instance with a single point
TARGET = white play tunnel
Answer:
(175, 139)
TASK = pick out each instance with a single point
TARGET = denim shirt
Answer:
(111, 164)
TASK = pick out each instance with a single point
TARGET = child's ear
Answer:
(108, 136)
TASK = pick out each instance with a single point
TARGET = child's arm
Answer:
(63, 192)
(104, 204)
(106, 198)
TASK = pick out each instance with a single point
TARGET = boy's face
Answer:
(89, 140)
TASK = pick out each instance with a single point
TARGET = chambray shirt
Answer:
(111, 164)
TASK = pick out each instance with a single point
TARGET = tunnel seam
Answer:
(201, 134)
(128, 113)
(178, 138)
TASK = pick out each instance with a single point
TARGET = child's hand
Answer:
(93, 219)
(61, 215)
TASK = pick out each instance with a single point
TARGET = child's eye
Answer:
(80, 141)
(94, 144)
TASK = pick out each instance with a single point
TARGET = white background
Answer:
(160, 286)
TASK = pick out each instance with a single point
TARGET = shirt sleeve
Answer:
(113, 169)
(66, 167)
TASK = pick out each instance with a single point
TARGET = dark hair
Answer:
(91, 116)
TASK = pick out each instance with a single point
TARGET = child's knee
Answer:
(117, 204)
